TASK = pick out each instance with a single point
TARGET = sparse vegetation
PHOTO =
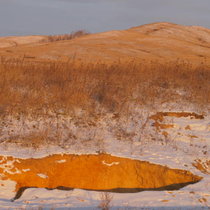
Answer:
(106, 199)
(73, 35)
(50, 93)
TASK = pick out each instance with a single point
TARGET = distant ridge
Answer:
(157, 41)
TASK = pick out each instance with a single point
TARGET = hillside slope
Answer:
(157, 41)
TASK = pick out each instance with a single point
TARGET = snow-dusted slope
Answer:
(176, 139)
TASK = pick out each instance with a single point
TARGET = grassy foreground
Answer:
(27, 87)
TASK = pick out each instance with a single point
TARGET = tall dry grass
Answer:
(27, 87)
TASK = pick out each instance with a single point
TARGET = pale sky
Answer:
(25, 17)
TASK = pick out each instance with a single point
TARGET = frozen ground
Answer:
(188, 141)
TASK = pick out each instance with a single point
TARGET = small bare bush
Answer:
(73, 35)
(34, 140)
(106, 199)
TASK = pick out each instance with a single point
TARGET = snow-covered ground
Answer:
(186, 143)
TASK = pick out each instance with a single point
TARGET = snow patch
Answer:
(110, 164)
(43, 176)
(25, 170)
(61, 161)
(7, 189)
(8, 166)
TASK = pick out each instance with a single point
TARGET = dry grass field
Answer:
(35, 87)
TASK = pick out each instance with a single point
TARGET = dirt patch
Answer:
(203, 166)
(92, 172)
(160, 115)
(162, 126)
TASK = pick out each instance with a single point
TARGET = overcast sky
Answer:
(25, 17)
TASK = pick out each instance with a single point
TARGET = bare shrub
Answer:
(106, 198)
(73, 35)
(34, 140)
